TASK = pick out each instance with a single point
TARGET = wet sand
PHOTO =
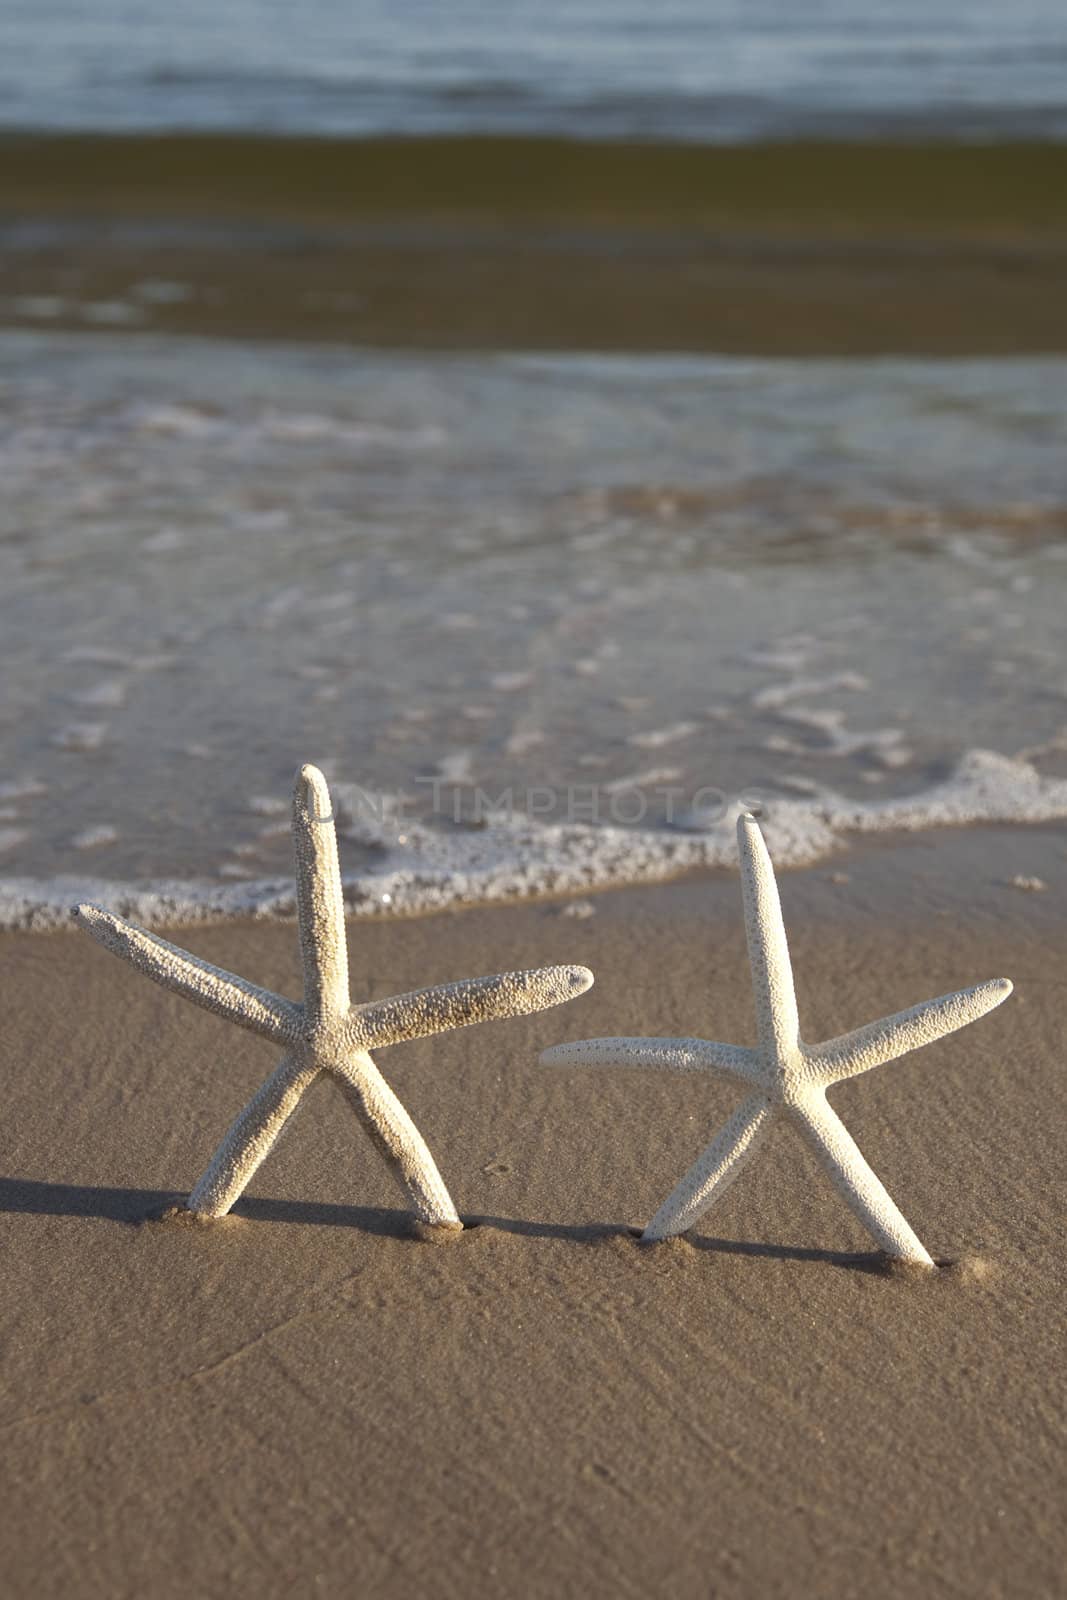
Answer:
(799, 249)
(306, 1397)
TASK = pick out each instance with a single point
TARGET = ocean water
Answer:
(546, 622)
(684, 69)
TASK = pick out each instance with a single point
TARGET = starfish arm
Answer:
(768, 950)
(714, 1170)
(319, 898)
(251, 1137)
(878, 1042)
(844, 1164)
(672, 1055)
(397, 1140)
(222, 992)
(458, 1005)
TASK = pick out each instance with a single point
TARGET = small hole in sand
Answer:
(966, 1269)
(178, 1215)
(960, 1269)
(438, 1232)
(674, 1249)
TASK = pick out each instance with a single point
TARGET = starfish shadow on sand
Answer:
(135, 1207)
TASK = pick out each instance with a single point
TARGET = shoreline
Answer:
(593, 864)
(801, 249)
(542, 1371)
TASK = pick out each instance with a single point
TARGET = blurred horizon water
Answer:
(694, 70)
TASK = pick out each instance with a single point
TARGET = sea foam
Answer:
(421, 868)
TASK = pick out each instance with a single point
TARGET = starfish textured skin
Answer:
(326, 1033)
(784, 1075)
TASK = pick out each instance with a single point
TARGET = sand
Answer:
(305, 1399)
(797, 249)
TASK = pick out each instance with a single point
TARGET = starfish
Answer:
(326, 1034)
(784, 1075)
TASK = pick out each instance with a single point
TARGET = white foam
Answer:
(580, 910)
(93, 838)
(456, 767)
(183, 422)
(522, 740)
(780, 694)
(312, 428)
(1028, 884)
(273, 830)
(423, 869)
(839, 742)
(268, 805)
(894, 755)
(656, 738)
(642, 780)
(108, 695)
(25, 788)
(80, 736)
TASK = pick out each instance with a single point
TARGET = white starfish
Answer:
(782, 1074)
(326, 1033)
